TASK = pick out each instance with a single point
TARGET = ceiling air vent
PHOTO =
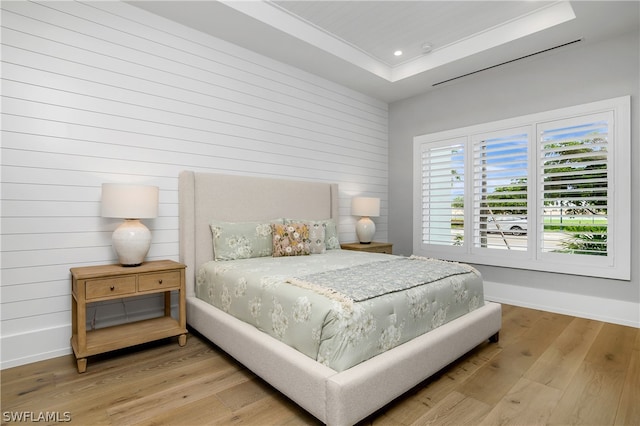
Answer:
(508, 62)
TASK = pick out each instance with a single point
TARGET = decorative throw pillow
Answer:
(330, 231)
(331, 235)
(290, 240)
(241, 240)
(316, 238)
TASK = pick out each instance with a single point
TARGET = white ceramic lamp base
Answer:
(365, 228)
(131, 241)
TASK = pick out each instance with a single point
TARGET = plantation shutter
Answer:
(500, 189)
(443, 192)
(575, 197)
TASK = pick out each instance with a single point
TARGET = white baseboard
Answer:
(38, 345)
(577, 305)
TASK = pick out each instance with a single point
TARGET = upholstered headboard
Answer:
(207, 196)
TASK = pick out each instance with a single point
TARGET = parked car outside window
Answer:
(508, 225)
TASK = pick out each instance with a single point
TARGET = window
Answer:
(500, 206)
(548, 192)
(574, 172)
(442, 192)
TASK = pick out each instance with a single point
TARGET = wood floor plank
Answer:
(455, 409)
(593, 396)
(272, 410)
(517, 321)
(520, 353)
(207, 383)
(34, 371)
(527, 403)
(558, 364)
(629, 408)
(205, 411)
(490, 383)
(244, 393)
(399, 413)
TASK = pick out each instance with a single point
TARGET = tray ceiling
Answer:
(353, 42)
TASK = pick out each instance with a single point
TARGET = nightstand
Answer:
(106, 282)
(372, 247)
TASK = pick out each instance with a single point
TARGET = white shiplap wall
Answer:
(105, 92)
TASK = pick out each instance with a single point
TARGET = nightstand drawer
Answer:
(159, 281)
(107, 287)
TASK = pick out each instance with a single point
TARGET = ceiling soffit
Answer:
(319, 30)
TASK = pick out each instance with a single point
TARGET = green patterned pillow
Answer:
(331, 235)
(331, 241)
(317, 233)
(241, 240)
(290, 240)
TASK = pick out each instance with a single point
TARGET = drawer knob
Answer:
(159, 281)
(112, 288)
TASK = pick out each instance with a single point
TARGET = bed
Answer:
(334, 397)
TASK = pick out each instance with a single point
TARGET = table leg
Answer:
(82, 365)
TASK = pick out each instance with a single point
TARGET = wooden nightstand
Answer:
(372, 247)
(96, 283)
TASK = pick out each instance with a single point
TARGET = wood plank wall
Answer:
(106, 92)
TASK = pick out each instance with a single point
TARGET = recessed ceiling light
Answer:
(398, 53)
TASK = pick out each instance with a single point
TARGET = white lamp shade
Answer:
(365, 206)
(129, 201)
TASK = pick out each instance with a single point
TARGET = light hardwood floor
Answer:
(546, 369)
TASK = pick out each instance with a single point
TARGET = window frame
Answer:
(616, 265)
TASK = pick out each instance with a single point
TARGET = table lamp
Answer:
(132, 239)
(366, 207)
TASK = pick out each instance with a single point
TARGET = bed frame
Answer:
(335, 398)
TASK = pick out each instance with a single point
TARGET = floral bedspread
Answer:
(324, 328)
